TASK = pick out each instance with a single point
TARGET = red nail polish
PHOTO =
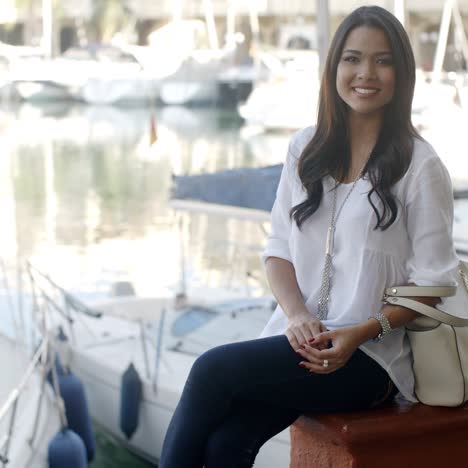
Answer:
(302, 364)
(312, 340)
(302, 346)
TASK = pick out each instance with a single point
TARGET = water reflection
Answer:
(88, 195)
(85, 195)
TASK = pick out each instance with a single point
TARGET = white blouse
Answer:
(417, 248)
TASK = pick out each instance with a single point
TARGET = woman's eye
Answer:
(385, 61)
(350, 58)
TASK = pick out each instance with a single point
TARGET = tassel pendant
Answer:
(329, 243)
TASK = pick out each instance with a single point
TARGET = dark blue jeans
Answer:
(237, 396)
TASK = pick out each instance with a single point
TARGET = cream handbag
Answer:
(439, 340)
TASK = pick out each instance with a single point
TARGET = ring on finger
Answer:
(325, 363)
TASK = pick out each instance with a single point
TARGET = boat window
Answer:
(193, 318)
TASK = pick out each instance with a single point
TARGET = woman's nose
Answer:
(367, 70)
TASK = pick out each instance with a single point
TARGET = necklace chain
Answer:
(325, 287)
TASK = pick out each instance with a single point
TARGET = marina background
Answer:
(101, 106)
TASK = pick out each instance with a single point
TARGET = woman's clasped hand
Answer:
(302, 328)
(324, 351)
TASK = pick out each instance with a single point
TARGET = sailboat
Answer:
(210, 73)
(133, 355)
(288, 99)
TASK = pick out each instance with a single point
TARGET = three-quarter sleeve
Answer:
(429, 211)
(278, 239)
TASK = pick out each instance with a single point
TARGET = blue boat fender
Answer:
(67, 450)
(130, 397)
(76, 409)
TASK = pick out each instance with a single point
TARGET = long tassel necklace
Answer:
(325, 287)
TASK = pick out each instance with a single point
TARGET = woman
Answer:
(363, 203)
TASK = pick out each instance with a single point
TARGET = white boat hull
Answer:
(119, 92)
(157, 406)
(100, 361)
(286, 105)
(182, 93)
(38, 91)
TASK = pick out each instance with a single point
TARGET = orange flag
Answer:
(153, 131)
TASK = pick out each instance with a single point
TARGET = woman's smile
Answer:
(365, 92)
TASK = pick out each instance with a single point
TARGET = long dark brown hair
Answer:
(328, 152)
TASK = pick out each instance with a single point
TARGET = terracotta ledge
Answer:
(399, 435)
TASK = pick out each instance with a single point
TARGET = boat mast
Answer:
(47, 40)
(230, 22)
(255, 40)
(254, 22)
(442, 40)
(210, 24)
(323, 32)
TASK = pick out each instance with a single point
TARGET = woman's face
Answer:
(365, 77)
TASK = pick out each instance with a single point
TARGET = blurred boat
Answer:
(191, 63)
(431, 99)
(207, 73)
(124, 90)
(235, 83)
(440, 116)
(286, 97)
(114, 76)
(211, 77)
(155, 341)
(97, 74)
(10, 52)
(195, 81)
(44, 420)
(288, 100)
(248, 193)
(42, 90)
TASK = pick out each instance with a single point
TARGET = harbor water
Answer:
(110, 454)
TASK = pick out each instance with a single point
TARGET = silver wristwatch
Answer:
(384, 323)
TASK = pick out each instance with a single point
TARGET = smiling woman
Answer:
(345, 191)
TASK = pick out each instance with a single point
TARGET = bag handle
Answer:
(429, 311)
(401, 295)
(421, 291)
(431, 291)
